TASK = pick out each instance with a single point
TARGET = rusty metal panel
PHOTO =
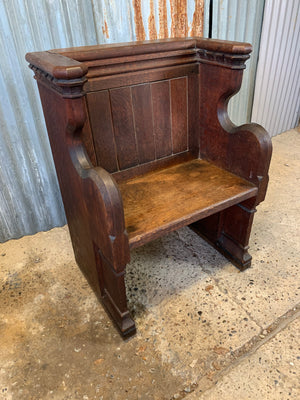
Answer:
(127, 20)
(277, 90)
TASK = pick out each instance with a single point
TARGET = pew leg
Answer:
(113, 294)
(229, 232)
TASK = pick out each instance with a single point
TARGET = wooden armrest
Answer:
(57, 65)
(223, 46)
(250, 154)
(104, 208)
(249, 150)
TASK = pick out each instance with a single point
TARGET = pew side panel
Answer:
(91, 198)
(244, 150)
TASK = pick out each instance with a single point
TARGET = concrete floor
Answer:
(204, 329)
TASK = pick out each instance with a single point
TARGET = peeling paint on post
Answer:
(163, 19)
(105, 30)
(138, 19)
(179, 27)
(198, 16)
(181, 24)
(151, 23)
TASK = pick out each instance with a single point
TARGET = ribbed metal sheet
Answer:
(30, 199)
(276, 103)
(127, 20)
(240, 20)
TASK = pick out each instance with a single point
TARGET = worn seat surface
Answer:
(170, 198)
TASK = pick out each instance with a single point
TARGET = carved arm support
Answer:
(90, 195)
(244, 150)
(105, 209)
(103, 203)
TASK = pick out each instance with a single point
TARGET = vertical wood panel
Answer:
(102, 127)
(193, 114)
(161, 118)
(179, 114)
(143, 120)
(87, 138)
(121, 104)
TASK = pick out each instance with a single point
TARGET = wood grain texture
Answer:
(162, 118)
(103, 132)
(57, 65)
(121, 105)
(229, 232)
(151, 47)
(143, 121)
(154, 165)
(179, 114)
(154, 74)
(87, 137)
(244, 150)
(194, 95)
(93, 206)
(168, 199)
(149, 120)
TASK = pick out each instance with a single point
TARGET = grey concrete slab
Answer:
(271, 373)
(196, 314)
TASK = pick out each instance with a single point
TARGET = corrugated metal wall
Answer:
(30, 199)
(276, 103)
(240, 20)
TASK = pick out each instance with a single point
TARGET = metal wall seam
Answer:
(277, 90)
(240, 21)
(30, 197)
(206, 12)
